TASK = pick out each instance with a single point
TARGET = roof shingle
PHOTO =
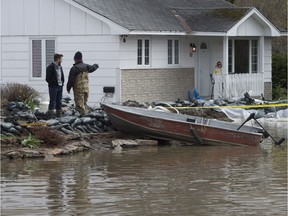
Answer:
(212, 20)
(153, 15)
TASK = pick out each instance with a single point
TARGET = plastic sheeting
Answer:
(239, 115)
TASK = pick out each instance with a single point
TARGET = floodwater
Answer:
(171, 180)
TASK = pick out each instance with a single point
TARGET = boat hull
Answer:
(170, 129)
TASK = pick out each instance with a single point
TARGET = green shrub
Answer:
(31, 142)
(17, 92)
(279, 76)
(279, 93)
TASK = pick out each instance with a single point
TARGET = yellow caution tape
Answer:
(34, 124)
(235, 106)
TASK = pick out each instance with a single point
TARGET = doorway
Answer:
(204, 69)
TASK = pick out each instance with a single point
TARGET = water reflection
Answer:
(157, 181)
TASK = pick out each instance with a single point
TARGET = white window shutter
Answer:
(50, 51)
(36, 58)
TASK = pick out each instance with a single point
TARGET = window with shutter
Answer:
(43, 51)
(143, 52)
(36, 58)
(50, 51)
(173, 52)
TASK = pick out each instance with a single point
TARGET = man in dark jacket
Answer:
(55, 80)
(79, 81)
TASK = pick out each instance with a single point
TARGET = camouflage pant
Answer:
(81, 99)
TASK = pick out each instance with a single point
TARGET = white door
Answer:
(204, 67)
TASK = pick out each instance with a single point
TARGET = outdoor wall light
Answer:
(193, 47)
(124, 38)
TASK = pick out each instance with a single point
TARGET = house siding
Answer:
(268, 68)
(251, 27)
(158, 52)
(104, 50)
(72, 29)
(156, 84)
(30, 17)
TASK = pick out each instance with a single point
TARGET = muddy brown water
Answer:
(170, 180)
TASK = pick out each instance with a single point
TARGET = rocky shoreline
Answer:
(12, 149)
(22, 127)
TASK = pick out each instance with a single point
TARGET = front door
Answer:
(204, 67)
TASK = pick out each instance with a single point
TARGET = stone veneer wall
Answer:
(156, 84)
(268, 90)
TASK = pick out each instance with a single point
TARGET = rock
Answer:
(28, 153)
(144, 142)
(56, 127)
(85, 129)
(77, 122)
(52, 122)
(75, 147)
(18, 127)
(27, 116)
(87, 120)
(69, 128)
(14, 154)
(11, 119)
(6, 126)
(67, 119)
(93, 130)
(73, 137)
(117, 149)
(10, 106)
(85, 144)
(106, 121)
(98, 124)
(91, 115)
(8, 134)
(80, 129)
(68, 149)
(67, 113)
(40, 115)
(65, 131)
(124, 143)
(98, 115)
(14, 131)
(55, 152)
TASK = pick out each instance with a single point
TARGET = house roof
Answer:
(173, 16)
(154, 15)
(212, 20)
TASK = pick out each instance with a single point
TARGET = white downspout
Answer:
(225, 64)
(0, 43)
(262, 60)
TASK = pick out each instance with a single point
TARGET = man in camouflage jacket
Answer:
(79, 81)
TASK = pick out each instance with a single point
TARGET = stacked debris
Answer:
(19, 119)
(221, 109)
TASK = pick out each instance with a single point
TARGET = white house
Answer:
(146, 49)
